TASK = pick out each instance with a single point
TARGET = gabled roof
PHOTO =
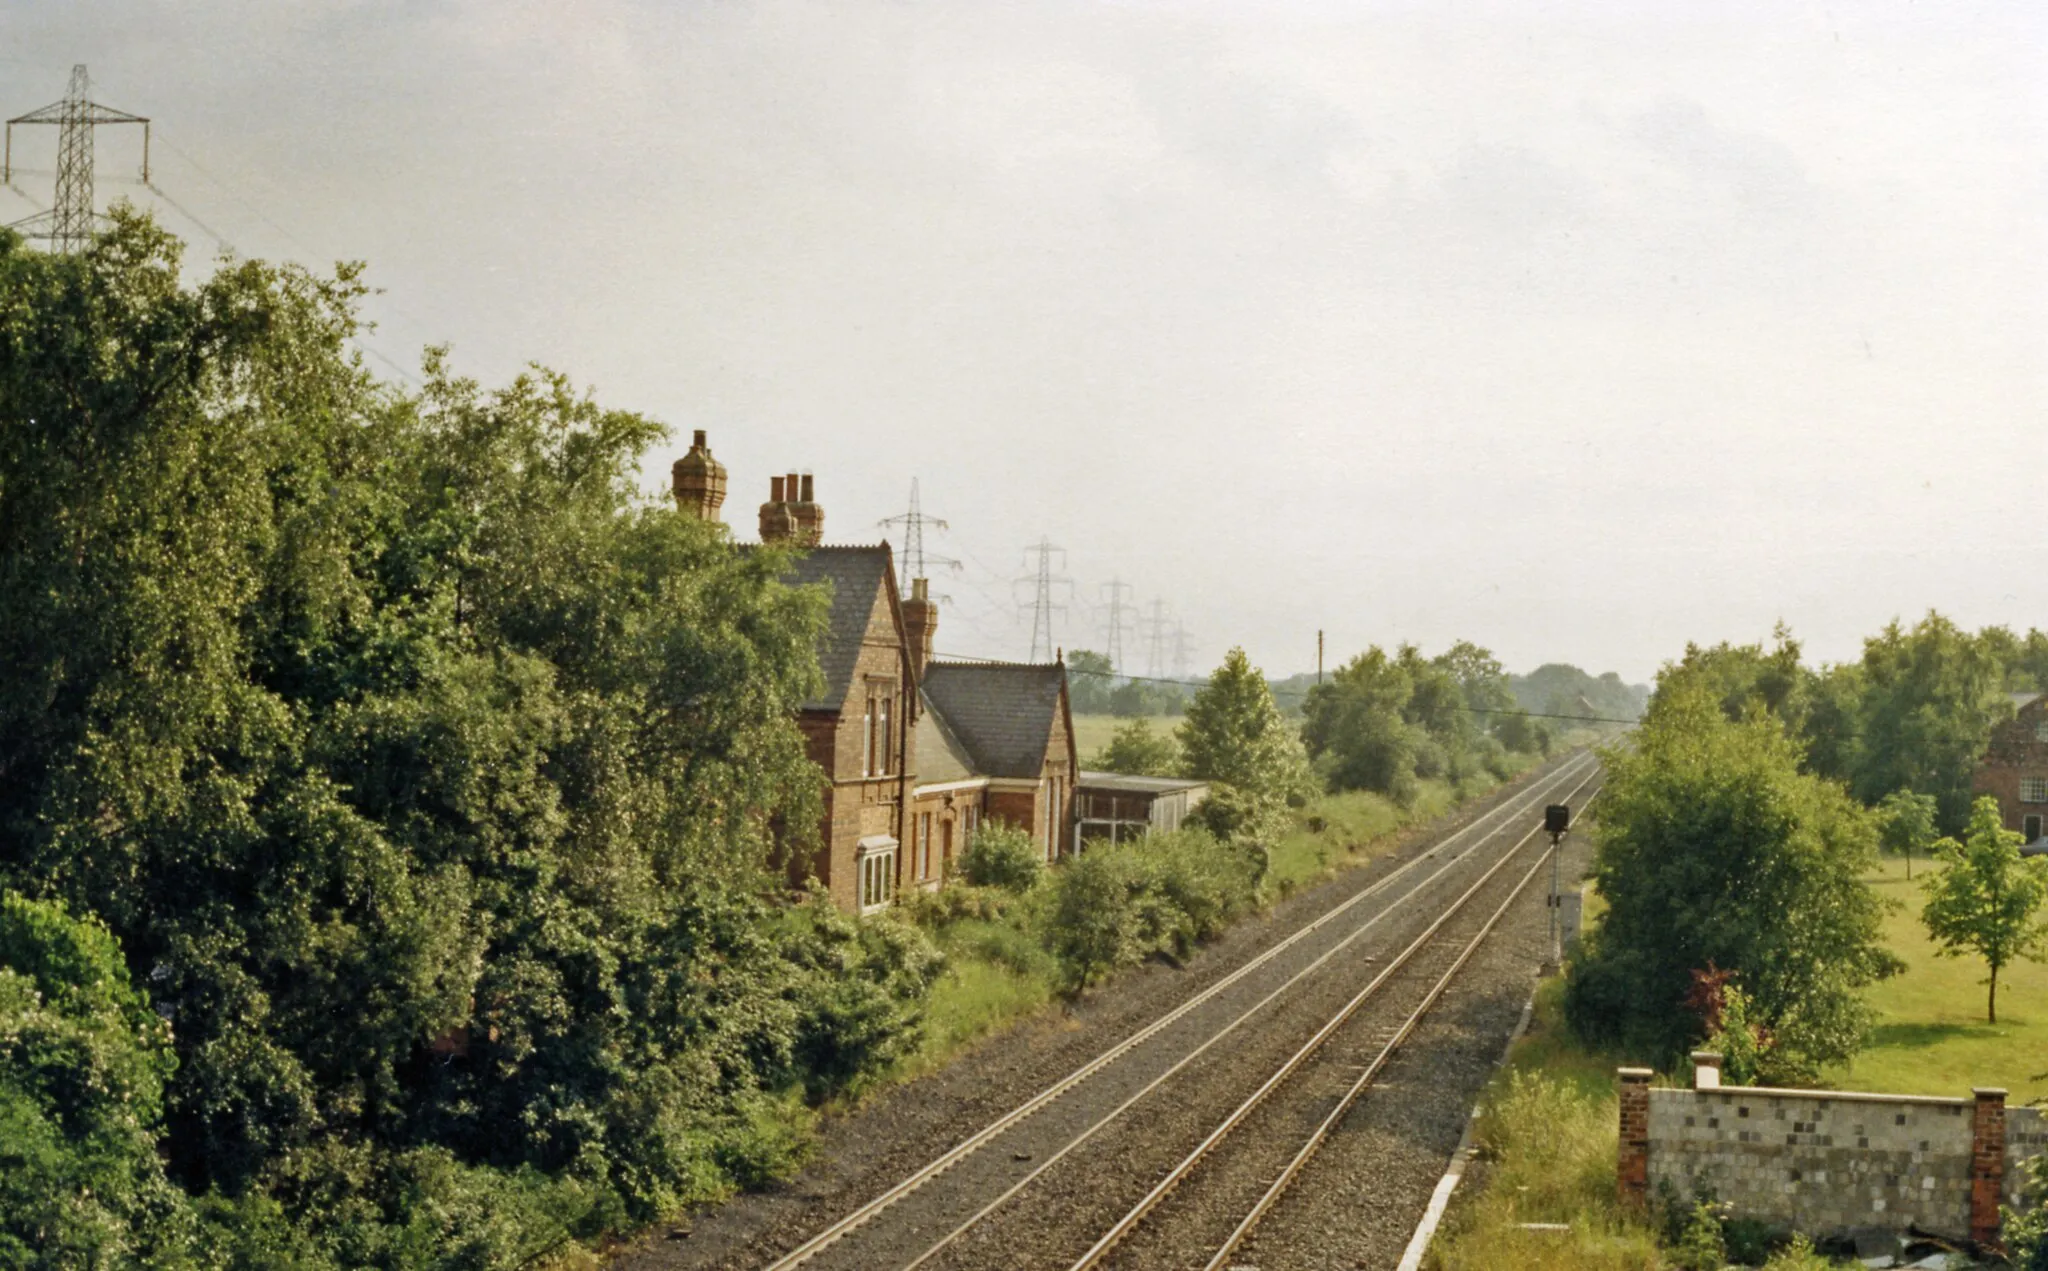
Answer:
(1002, 712)
(856, 574)
(941, 756)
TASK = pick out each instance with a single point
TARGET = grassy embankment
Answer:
(1549, 1129)
(998, 969)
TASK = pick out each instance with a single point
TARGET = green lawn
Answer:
(1931, 1035)
(1092, 732)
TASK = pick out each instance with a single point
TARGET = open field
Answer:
(1931, 1034)
(1092, 732)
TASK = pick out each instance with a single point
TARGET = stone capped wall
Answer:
(1825, 1161)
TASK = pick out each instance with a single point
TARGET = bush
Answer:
(1002, 855)
(860, 1004)
(1161, 894)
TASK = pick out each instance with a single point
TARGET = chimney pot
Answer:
(775, 490)
(698, 482)
(807, 489)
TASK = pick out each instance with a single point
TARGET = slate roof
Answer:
(941, 756)
(1002, 712)
(855, 574)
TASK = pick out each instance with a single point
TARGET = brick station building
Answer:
(2014, 769)
(917, 753)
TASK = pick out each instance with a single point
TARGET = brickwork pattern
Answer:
(1825, 1161)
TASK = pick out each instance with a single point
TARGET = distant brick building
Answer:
(917, 754)
(2014, 769)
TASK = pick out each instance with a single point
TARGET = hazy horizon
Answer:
(1578, 334)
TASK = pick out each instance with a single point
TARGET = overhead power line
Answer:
(1278, 691)
(69, 223)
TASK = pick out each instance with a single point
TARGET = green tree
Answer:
(1932, 696)
(1235, 735)
(1090, 681)
(1356, 728)
(83, 1061)
(1987, 901)
(1906, 825)
(1137, 750)
(429, 774)
(1714, 850)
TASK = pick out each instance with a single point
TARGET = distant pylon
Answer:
(68, 225)
(1118, 616)
(1043, 609)
(1181, 642)
(914, 557)
(1154, 627)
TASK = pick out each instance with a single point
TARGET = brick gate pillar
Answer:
(1987, 1165)
(1633, 1164)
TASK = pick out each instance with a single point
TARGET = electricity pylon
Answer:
(68, 225)
(915, 559)
(1154, 627)
(1119, 611)
(1043, 609)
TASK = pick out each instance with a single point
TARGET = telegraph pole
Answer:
(1319, 655)
(1043, 609)
(68, 225)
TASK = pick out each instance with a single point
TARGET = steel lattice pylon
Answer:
(68, 225)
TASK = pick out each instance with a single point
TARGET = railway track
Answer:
(1178, 1222)
(934, 1213)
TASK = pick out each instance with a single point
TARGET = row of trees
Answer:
(1914, 713)
(427, 778)
(1736, 827)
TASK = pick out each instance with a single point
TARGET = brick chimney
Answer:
(778, 522)
(921, 623)
(810, 518)
(699, 482)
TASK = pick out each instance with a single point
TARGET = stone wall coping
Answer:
(1785, 1092)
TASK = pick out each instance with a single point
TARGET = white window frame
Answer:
(2034, 789)
(875, 873)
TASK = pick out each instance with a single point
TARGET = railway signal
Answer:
(1557, 822)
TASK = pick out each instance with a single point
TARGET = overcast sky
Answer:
(1577, 329)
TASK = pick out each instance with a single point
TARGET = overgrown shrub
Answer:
(1002, 855)
(1159, 894)
(859, 1006)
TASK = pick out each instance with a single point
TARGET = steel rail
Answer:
(1189, 1057)
(1308, 1049)
(1286, 1178)
(981, 1138)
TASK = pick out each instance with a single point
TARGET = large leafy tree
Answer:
(1234, 735)
(1932, 696)
(1987, 901)
(429, 775)
(1717, 854)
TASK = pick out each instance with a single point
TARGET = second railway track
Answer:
(1204, 1210)
(970, 1205)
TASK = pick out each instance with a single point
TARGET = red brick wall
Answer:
(1987, 1165)
(856, 805)
(2015, 751)
(1633, 1164)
